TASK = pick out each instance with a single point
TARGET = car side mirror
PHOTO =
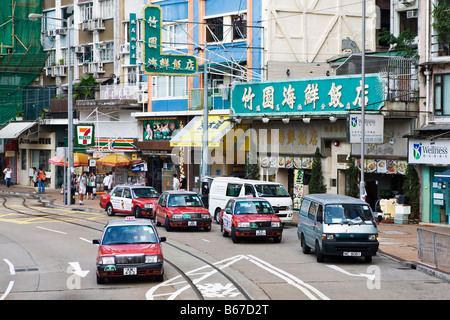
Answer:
(96, 241)
(162, 239)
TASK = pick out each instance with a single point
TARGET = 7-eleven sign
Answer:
(84, 135)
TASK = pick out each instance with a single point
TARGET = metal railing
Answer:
(434, 247)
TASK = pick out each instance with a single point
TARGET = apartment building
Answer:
(428, 147)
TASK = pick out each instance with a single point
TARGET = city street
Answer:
(47, 253)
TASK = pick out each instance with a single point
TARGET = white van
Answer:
(224, 188)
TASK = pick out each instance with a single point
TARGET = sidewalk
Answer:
(398, 241)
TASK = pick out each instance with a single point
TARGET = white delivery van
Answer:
(224, 188)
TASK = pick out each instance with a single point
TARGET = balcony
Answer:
(120, 92)
(55, 71)
(93, 68)
(93, 24)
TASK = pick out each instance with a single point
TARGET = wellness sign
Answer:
(318, 96)
(427, 152)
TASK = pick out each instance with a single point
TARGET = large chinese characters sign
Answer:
(155, 61)
(330, 95)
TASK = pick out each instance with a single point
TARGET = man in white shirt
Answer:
(175, 182)
(106, 182)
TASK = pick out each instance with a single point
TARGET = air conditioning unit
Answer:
(408, 3)
(50, 33)
(78, 49)
(142, 97)
(61, 31)
(125, 48)
(412, 14)
(143, 87)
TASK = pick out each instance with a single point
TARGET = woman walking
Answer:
(8, 175)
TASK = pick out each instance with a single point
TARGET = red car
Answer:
(182, 209)
(136, 200)
(250, 217)
(129, 247)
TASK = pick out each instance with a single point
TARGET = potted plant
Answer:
(441, 23)
(19, 115)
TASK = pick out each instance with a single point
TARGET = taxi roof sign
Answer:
(130, 218)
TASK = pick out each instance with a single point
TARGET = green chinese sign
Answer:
(133, 38)
(330, 95)
(155, 61)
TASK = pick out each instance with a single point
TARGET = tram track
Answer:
(63, 219)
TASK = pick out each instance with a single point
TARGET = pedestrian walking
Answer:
(82, 184)
(175, 182)
(183, 183)
(91, 186)
(8, 175)
(41, 181)
(106, 182)
(35, 179)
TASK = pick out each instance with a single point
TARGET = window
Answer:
(86, 11)
(312, 210)
(174, 35)
(107, 52)
(106, 9)
(442, 94)
(214, 30)
(233, 189)
(304, 208)
(169, 87)
(239, 27)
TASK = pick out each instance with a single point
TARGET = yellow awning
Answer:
(192, 134)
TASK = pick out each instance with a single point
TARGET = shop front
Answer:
(155, 149)
(35, 152)
(433, 158)
(293, 118)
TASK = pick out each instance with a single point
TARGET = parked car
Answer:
(182, 209)
(225, 188)
(136, 200)
(129, 247)
(250, 217)
(337, 225)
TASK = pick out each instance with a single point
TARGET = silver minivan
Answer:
(337, 225)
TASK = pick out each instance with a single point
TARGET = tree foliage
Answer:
(316, 184)
(411, 189)
(352, 173)
(85, 89)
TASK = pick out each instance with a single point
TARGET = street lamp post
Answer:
(35, 16)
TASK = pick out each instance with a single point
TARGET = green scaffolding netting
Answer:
(21, 54)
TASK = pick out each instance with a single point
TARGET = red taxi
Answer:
(250, 217)
(136, 200)
(129, 247)
(182, 209)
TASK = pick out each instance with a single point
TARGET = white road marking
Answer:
(8, 290)
(11, 283)
(88, 241)
(363, 275)
(11, 266)
(307, 289)
(219, 289)
(51, 230)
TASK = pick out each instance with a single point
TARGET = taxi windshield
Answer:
(185, 200)
(348, 214)
(145, 193)
(129, 235)
(253, 207)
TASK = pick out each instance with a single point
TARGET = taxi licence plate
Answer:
(129, 271)
(260, 232)
(192, 223)
(352, 254)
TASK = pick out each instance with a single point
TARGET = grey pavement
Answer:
(397, 241)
